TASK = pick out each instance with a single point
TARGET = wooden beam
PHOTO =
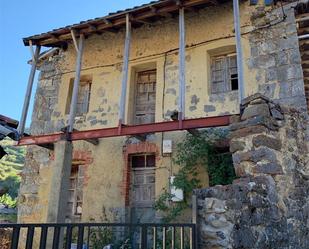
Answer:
(108, 22)
(130, 130)
(21, 127)
(73, 34)
(182, 65)
(92, 27)
(78, 67)
(125, 68)
(240, 70)
(115, 21)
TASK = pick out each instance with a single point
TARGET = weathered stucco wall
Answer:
(207, 30)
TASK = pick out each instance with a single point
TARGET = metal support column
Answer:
(240, 70)
(76, 81)
(35, 56)
(182, 67)
(125, 68)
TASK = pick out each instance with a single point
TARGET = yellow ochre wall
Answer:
(206, 30)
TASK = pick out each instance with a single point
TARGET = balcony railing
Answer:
(100, 236)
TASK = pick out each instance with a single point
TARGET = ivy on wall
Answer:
(197, 152)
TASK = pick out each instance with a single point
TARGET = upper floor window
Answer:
(224, 76)
(83, 98)
(145, 97)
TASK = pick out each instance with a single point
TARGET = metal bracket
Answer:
(68, 136)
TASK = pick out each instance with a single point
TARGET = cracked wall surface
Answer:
(271, 66)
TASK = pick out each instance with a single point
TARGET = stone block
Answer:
(263, 140)
(255, 110)
(275, 113)
(237, 146)
(268, 122)
(272, 168)
(261, 154)
(256, 129)
(246, 101)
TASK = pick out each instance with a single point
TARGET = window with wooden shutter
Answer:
(75, 198)
(83, 97)
(145, 97)
(224, 76)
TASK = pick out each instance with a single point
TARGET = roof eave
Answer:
(57, 37)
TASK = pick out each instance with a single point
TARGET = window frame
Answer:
(227, 75)
(84, 80)
(79, 179)
(145, 161)
(135, 89)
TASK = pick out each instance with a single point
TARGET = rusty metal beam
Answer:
(128, 130)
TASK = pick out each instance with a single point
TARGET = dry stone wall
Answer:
(268, 205)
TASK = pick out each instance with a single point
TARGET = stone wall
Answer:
(268, 205)
(275, 60)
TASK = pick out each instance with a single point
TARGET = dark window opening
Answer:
(221, 169)
(143, 161)
(234, 82)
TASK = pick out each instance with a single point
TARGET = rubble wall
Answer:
(268, 205)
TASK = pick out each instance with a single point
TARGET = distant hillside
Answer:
(10, 167)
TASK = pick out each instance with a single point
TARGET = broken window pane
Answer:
(224, 76)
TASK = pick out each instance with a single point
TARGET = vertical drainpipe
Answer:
(182, 67)
(240, 70)
(76, 82)
(21, 126)
(125, 68)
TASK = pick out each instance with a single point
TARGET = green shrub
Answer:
(8, 201)
(197, 151)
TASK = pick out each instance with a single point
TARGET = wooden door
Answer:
(145, 97)
(142, 194)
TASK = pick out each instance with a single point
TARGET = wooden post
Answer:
(76, 82)
(182, 67)
(240, 70)
(125, 68)
(35, 56)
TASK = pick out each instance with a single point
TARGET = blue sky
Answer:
(20, 19)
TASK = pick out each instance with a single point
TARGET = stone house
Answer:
(117, 178)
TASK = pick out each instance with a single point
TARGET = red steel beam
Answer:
(129, 130)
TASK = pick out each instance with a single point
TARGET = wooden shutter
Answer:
(83, 98)
(224, 74)
(145, 97)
